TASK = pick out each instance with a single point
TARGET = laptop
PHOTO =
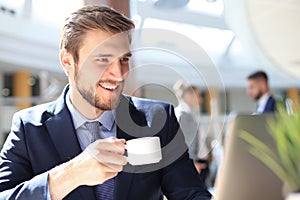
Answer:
(242, 176)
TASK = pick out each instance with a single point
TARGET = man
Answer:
(54, 151)
(187, 113)
(258, 90)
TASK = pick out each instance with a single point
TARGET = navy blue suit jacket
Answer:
(270, 106)
(43, 137)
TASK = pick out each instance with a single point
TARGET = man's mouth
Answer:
(109, 85)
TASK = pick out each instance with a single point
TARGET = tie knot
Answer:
(93, 127)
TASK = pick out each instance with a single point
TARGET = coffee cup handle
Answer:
(126, 155)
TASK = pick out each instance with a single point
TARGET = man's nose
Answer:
(115, 71)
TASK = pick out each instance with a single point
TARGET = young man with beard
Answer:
(258, 90)
(53, 153)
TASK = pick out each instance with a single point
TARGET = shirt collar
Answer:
(263, 99)
(107, 118)
(184, 107)
(262, 102)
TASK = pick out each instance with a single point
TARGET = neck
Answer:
(84, 107)
(192, 106)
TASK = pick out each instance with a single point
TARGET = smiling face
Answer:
(97, 80)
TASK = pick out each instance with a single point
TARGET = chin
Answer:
(112, 103)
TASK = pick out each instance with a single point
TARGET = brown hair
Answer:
(188, 89)
(91, 18)
(258, 75)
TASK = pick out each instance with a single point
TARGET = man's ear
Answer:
(67, 61)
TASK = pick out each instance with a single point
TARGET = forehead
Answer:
(99, 42)
(252, 82)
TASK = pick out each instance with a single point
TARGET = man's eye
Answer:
(102, 59)
(124, 60)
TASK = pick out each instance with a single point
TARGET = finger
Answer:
(104, 156)
(101, 146)
(122, 140)
(114, 145)
(117, 139)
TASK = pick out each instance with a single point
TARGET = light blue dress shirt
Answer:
(107, 120)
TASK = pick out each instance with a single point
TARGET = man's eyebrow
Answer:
(129, 54)
(104, 55)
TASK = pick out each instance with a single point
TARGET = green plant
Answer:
(285, 161)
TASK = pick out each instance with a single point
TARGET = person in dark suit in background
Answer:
(258, 90)
(51, 153)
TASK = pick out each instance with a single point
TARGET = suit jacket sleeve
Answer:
(180, 179)
(16, 177)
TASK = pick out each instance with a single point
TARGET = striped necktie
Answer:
(103, 191)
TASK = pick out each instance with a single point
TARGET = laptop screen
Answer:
(242, 176)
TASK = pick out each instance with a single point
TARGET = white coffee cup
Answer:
(143, 151)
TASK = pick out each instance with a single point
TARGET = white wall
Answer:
(240, 102)
(159, 93)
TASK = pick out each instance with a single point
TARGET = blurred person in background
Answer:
(188, 114)
(258, 90)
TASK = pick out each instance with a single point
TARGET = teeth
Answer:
(109, 87)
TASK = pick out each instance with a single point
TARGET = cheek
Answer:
(256, 89)
(100, 73)
(88, 77)
(94, 72)
(77, 70)
(73, 73)
(125, 71)
(253, 90)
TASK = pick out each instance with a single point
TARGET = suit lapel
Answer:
(61, 130)
(268, 106)
(63, 135)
